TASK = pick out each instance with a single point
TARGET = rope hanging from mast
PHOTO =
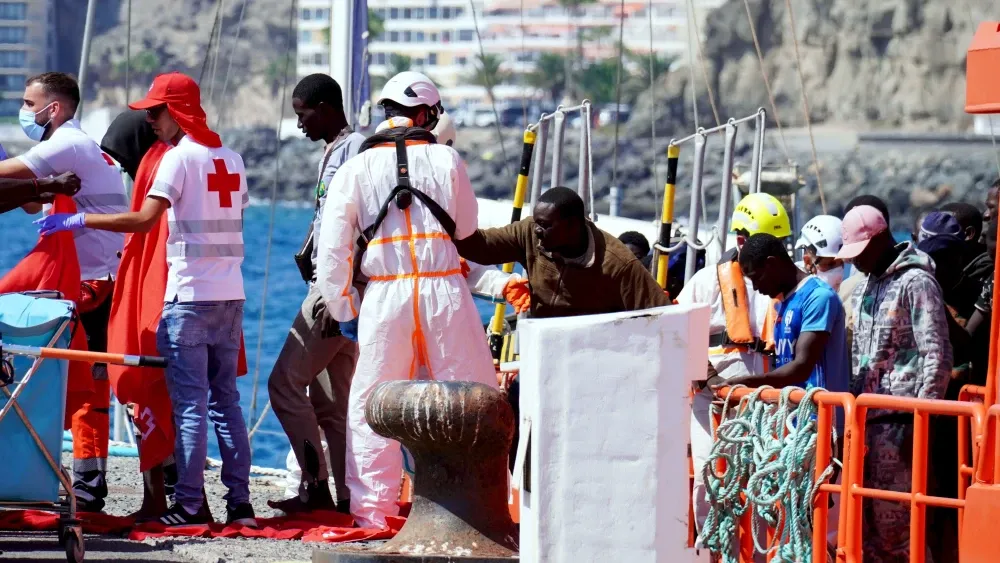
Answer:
(489, 84)
(211, 38)
(128, 49)
(229, 67)
(274, 205)
(767, 83)
(618, 89)
(805, 104)
(215, 57)
(701, 62)
(652, 96)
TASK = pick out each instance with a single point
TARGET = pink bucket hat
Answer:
(859, 226)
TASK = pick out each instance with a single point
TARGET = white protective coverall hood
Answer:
(418, 319)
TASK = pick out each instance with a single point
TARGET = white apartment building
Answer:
(439, 36)
(27, 42)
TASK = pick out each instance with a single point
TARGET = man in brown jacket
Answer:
(573, 267)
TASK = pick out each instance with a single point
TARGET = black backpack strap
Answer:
(402, 194)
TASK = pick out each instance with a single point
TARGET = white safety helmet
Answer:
(411, 89)
(445, 130)
(822, 232)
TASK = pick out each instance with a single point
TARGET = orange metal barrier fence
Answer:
(972, 421)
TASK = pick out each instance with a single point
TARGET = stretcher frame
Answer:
(70, 531)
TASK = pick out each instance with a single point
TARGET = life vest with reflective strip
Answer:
(736, 306)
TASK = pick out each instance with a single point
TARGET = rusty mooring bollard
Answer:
(459, 434)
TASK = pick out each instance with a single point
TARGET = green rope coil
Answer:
(770, 454)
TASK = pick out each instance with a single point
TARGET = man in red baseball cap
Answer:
(900, 348)
(202, 187)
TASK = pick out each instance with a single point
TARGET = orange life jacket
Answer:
(738, 333)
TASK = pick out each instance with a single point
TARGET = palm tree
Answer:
(376, 26)
(550, 74)
(488, 73)
(575, 9)
(397, 64)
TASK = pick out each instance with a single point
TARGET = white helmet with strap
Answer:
(823, 233)
(411, 89)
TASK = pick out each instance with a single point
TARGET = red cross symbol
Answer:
(223, 182)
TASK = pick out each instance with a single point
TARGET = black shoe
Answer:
(241, 514)
(92, 505)
(344, 506)
(311, 497)
(178, 516)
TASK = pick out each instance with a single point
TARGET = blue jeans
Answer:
(201, 341)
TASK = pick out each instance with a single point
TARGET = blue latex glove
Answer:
(58, 222)
(350, 329)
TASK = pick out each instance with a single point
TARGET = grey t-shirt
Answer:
(342, 151)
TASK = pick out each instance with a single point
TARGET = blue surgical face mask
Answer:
(31, 128)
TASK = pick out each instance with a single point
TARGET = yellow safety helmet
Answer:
(761, 213)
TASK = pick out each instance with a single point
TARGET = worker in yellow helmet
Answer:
(739, 327)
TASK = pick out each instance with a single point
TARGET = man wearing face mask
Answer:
(820, 239)
(50, 101)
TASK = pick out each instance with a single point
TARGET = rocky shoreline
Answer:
(911, 176)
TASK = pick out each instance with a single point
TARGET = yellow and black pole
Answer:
(667, 216)
(520, 190)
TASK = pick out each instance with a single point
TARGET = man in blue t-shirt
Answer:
(809, 334)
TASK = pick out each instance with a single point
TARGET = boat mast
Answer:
(88, 27)
(341, 52)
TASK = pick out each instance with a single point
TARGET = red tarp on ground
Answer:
(319, 526)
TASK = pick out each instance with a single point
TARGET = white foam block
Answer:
(606, 397)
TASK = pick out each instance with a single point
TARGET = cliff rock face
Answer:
(175, 35)
(885, 64)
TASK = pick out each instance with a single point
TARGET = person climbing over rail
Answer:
(900, 348)
(573, 267)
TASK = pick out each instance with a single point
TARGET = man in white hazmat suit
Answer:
(418, 319)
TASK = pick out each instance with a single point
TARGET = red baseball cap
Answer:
(173, 88)
(860, 225)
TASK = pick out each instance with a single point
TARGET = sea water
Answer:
(263, 336)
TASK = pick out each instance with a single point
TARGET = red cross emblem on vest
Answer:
(223, 182)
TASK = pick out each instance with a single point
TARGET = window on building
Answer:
(418, 13)
(432, 58)
(393, 13)
(393, 37)
(466, 35)
(446, 36)
(432, 13)
(419, 37)
(419, 62)
(460, 61)
(319, 59)
(305, 36)
(305, 60)
(434, 38)
(457, 13)
(407, 14)
(322, 14)
(380, 58)
(13, 59)
(407, 36)
(380, 12)
(12, 81)
(446, 13)
(9, 107)
(307, 14)
(14, 10)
